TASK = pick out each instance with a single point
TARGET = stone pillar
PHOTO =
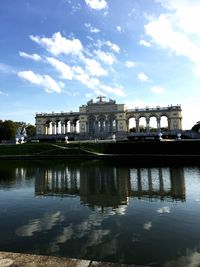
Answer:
(62, 128)
(147, 125)
(71, 127)
(137, 125)
(158, 124)
(57, 127)
(66, 127)
(53, 128)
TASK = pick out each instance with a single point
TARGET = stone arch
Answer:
(75, 125)
(48, 127)
(142, 123)
(101, 119)
(164, 122)
(112, 123)
(91, 124)
(153, 123)
(132, 123)
(67, 125)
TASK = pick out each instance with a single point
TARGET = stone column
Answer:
(71, 127)
(62, 128)
(53, 128)
(137, 125)
(57, 127)
(158, 124)
(147, 125)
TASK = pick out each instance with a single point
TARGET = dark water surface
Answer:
(97, 210)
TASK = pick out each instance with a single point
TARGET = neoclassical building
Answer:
(102, 119)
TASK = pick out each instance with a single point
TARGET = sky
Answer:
(56, 55)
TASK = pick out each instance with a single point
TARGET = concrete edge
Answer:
(10, 259)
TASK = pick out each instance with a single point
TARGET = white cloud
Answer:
(130, 64)
(94, 67)
(164, 210)
(97, 4)
(107, 58)
(158, 90)
(142, 77)
(113, 46)
(49, 84)
(119, 28)
(84, 78)
(178, 29)
(3, 94)
(91, 28)
(6, 69)
(34, 57)
(114, 90)
(59, 45)
(144, 43)
(63, 68)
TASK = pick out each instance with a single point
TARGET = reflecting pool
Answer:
(97, 210)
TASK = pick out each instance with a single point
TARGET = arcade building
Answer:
(101, 119)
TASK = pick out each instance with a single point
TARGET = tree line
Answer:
(8, 129)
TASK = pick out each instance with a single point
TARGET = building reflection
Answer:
(111, 186)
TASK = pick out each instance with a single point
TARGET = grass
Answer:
(147, 147)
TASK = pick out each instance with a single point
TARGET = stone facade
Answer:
(102, 119)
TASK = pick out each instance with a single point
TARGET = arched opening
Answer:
(112, 124)
(58, 127)
(142, 124)
(153, 126)
(91, 124)
(67, 126)
(132, 125)
(48, 127)
(164, 126)
(75, 126)
(101, 124)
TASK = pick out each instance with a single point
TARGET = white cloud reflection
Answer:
(164, 210)
(47, 222)
(147, 226)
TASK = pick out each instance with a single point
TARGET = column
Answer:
(57, 127)
(158, 124)
(53, 128)
(137, 125)
(71, 127)
(147, 125)
(66, 127)
(62, 128)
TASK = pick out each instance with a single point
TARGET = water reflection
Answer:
(112, 186)
(101, 211)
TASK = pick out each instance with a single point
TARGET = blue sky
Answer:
(55, 55)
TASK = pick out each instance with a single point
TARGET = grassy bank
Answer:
(189, 147)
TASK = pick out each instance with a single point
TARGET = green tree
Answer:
(7, 130)
(30, 130)
(196, 127)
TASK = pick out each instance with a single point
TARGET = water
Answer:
(101, 211)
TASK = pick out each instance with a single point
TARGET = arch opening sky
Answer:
(56, 55)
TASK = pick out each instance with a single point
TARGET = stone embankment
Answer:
(9, 259)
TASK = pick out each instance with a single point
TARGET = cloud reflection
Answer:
(164, 210)
(191, 260)
(47, 222)
(147, 226)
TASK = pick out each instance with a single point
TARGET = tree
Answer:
(9, 128)
(30, 130)
(196, 127)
